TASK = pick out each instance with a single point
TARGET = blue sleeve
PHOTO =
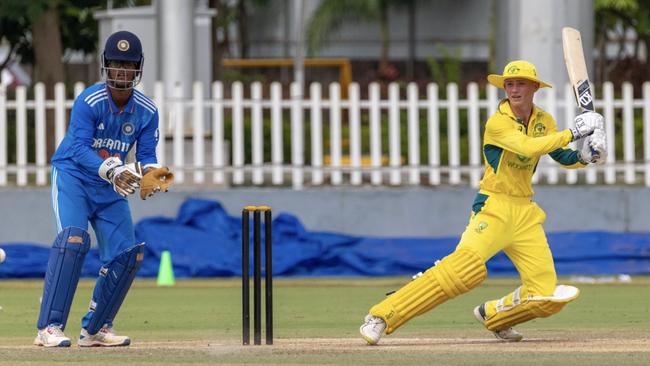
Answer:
(147, 141)
(82, 128)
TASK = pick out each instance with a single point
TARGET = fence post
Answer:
(316, 134)
(608, 99)
(433, 127)
(218, 149)
(493, 99)
(646, 131)
(159, 99)
(198, 132)
(257, 133)
(335, 133)
(628, 133)
(3, 135)
(453, 134)
(39, 130)
(375, 134)
(21, 135)
(178, 120)
(395, 152)
(237, 133)
(297, 136)
(474, 132)
(78, 88)
(413, 116)
(355, 134)
(59, 113)
(277, 154)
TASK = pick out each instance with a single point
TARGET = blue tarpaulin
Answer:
(205, 241)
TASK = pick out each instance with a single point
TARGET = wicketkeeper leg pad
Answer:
(62, 276)
(531, 308)
(455, 274)
(115, 279)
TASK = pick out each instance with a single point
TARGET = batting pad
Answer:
(62, 276)
(456, 274)
(532, 307)
(111, 288)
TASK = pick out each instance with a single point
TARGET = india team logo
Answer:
(123, 45)
(128, 128)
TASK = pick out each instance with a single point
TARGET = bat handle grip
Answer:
(594, 153)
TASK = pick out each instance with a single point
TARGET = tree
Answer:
(331, 14)
(228, 13)
(38, 31)
(220, 35)
(617, 17)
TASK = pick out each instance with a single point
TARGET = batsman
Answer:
(90, 183)
(504, 217)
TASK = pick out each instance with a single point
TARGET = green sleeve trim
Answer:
(493, 155)
(479, 202)
(565, 156)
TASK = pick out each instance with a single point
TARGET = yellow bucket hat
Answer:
(517, 69)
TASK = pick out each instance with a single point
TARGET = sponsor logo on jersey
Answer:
(523, 158)
(128, 128)
(111, 144)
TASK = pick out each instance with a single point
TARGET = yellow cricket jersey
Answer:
(512, 150)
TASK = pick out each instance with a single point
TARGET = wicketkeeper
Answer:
(504, 217)
(90, 182)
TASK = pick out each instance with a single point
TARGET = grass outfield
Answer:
(198, 322)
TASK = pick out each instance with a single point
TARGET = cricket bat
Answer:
(576, 67)
(574, 58)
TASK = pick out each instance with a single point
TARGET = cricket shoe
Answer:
(372, 329)
(104, 338)
(508, 335)
(52, 336)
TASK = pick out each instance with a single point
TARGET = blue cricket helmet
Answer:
(122, 46)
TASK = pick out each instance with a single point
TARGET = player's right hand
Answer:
(586, 123)
(125, 178)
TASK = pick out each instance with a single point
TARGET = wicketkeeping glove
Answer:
(155, 180)
(125, 179)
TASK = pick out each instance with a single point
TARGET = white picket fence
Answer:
(353, 158)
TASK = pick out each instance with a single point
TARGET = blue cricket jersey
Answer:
(98, 129)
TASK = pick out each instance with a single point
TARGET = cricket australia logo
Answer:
(481, 226)
(513, 70)
(128, 128)
(539, 129)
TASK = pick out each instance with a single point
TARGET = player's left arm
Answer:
(574, 159)
(565, 156)
(155, 177)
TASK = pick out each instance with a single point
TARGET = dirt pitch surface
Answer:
(398, 344)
